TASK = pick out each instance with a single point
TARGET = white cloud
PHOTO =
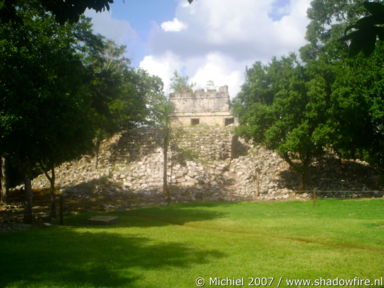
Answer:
(221, 69)
(163, 66)
(117, 30)
(173, 26)
(224, 36)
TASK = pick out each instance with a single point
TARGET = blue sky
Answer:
(207, 40)
(141, 15)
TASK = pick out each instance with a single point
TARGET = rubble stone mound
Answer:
(204, 164)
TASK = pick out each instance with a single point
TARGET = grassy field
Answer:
(172, 246)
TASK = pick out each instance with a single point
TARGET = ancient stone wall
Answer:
(204, 119)
(201, 101)
(201, 107)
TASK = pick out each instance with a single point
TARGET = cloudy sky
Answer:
(207, 40)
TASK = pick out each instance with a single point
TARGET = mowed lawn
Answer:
(172, 246)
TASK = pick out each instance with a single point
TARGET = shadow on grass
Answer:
(173, 215)
(178, 214)
(63, 257)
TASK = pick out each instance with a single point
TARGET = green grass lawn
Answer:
(172, 246)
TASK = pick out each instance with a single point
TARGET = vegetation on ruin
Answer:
(180, 84)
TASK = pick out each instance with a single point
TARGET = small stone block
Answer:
(102, 220)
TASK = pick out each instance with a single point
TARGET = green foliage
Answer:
(357, 106)
(354, 118)
(180, 154)
(116, 97)
(329, 102)
(43, 90)
(157, 107)
(328, 21)
(62, 10)
(62, 87)
(284, 106)
(46, 116)
(364, 33)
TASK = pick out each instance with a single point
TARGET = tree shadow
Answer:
(68, 258)
(104, 194)
(153, 216)
(238, 147)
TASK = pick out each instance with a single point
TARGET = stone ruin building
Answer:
(209, 107)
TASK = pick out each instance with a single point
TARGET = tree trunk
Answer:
(303, 183)
(51, 179)
(257, 174)
(165, 167)
(98, 142)
(304, 177)
(3, 180)
(61, 206)
(28, 217)
(302, 170)
(52, 212)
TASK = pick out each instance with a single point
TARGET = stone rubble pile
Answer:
(202, 166)
(257, 176)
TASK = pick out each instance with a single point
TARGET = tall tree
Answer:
(59, 85)
(165, 110)
(356, 105)
(358, 108)
(160, 110)
(328, 21)
(45, 114)
(152, 89)
(328, 101)
(118, 102)
(283, 106)
(3, 180)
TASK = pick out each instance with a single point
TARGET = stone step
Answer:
(102, 220)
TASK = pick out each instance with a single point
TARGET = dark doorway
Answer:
(229, 121)
(195, 121)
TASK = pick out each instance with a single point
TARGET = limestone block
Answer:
(102, 220)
